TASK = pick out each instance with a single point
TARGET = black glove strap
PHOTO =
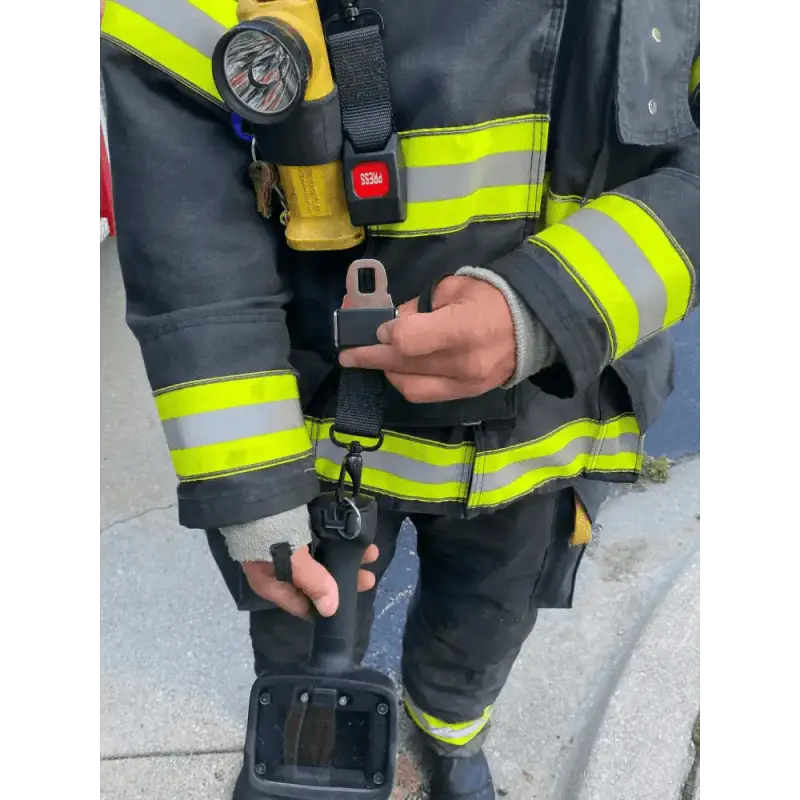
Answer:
(282, 561)
(425, 301)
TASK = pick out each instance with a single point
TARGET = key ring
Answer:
(357, 528)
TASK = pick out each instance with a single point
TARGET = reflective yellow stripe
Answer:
(233, 425)
(405, 467)
(240, 455)
(558, 207)
(583, 446)
(694, 77)
(432, 147)
(456, 176)
(177, 36)
(410, 468)
(664, 254)
(628, 265)
(228, 392)
(454, 733)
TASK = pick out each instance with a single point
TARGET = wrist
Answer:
(535, 349)
(252, 541)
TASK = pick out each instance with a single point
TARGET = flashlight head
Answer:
(261, 70)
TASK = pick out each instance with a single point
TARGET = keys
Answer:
(264, 177)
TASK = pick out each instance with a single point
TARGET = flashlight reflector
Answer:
(261, 70)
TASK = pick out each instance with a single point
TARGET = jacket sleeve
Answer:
(204, 300)
(620, 270)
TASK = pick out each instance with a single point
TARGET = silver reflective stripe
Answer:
(182, 19)
(401, 466)
(583, 445)
(450, 182)
(230, 424)
(448, 732)
(629, 263)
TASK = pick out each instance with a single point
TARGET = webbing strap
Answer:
(359, 407)
(359, 68)
(361, 76)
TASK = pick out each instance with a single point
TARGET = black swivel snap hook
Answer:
(352, 465)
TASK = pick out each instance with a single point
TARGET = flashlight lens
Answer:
(261, 72)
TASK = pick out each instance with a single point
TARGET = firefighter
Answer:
(550, 240)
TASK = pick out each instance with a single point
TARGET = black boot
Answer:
(241, 790)
(466, 778)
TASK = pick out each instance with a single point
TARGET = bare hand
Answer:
(312, 583)
(463, 348)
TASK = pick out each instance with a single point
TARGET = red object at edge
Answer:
(106, 197)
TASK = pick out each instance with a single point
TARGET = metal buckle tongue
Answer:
(378, 294)
(365, 307)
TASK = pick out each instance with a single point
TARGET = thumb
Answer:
(385, 330)
(315, 582)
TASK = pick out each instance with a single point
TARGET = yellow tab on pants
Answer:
(627, 263)
(234, 424)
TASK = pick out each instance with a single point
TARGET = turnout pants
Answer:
(481, 584)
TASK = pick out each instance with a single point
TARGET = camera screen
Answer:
(326, 737)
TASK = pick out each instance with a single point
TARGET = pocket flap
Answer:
(658, 39)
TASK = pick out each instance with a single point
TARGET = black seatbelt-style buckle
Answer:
(366, 306)
(375, 184)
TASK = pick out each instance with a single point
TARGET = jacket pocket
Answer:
(556, 585)
(648, 374)
(657, 43)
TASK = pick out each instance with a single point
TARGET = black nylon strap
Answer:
(359, 407)
(359, 67)
(282, 561)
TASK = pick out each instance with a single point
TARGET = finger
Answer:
(409, 307)
(370, 555)
(384, 332)
(261, 577)
(432, 389)
(450, 327)
(288, 598)
(387, 358)
(366, 580)
(314, 581)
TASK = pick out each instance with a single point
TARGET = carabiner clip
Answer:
(352, 464)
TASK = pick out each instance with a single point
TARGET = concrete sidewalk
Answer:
(602, 702)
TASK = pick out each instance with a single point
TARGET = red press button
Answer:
(370, 179)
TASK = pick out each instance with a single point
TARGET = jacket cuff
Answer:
(251, 541)
(535, 347)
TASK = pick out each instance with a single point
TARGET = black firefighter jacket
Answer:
(555, 142)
